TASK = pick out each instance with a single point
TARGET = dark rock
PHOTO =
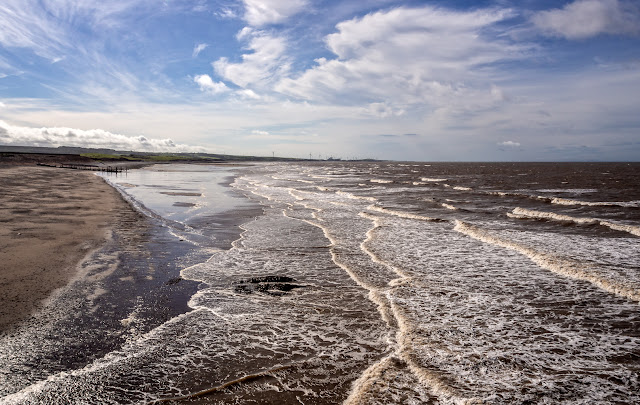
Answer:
(183, 204)
(270, 285)
(174, 281)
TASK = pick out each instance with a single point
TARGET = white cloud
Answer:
(199, 48)
(262, 12)
(509, 144)
(588, 18)
(258, 132)
(403, 57)
(94, 138)
(207, 84)
(248, 94)
(266, 63)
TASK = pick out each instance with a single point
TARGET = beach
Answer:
(356, 283)
(90, 269)
(51, 219)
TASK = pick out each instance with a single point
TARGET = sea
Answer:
(350, 282)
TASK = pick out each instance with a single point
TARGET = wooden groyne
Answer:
(95, 168)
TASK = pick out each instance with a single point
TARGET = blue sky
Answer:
(403, 80)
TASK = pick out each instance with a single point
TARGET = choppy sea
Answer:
(356, 283)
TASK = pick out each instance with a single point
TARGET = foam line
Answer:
(356, 197)
(567, 201)
(370, 377)
(364, 247)
(374, 294)
(563, 267)
(243, 379)
(333, 242)
(523, 213)
(401, 214)
(428, 378)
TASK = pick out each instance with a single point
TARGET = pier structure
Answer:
(79, 166)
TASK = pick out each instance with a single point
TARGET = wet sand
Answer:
(120, 270)
(50, 219)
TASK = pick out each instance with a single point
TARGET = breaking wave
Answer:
(523, 213)
(564, 267)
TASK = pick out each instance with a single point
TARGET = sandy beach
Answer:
(51, 219)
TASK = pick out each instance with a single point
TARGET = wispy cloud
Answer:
(25, 24)
(262, 12)
(588, 18)
(47, 26)
(382, 110)
(226, 13)
(89, 43)
(199, 48)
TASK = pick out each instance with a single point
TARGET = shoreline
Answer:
(52, 220)
(120, 277)
(56, 221)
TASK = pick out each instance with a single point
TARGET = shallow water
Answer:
(384, 283)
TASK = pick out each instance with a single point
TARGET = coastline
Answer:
(52, 220)
(284, 315)
(89, 271)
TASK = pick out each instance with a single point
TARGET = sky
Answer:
(384, 79)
